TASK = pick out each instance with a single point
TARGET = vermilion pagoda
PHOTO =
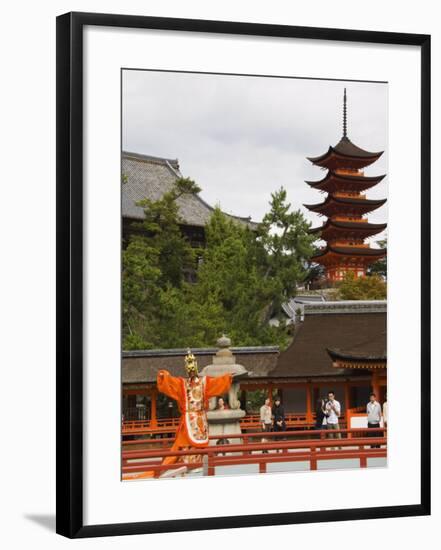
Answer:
(346, 229)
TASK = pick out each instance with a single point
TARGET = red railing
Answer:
(147, 426)
(311, 450)
(248, 437)
(169, 425)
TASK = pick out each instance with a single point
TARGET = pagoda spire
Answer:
(344, 115)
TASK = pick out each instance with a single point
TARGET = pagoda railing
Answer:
(349, 195)
(349, 172)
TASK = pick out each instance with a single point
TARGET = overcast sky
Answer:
(241, 138)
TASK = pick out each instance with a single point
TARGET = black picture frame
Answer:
(69, 294)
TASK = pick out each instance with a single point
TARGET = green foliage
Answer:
(256, 398)
(288, 245)
(243, 276)
(231, 276)
(380, 267)
(371, 287)
(161, 224)
(153, 270)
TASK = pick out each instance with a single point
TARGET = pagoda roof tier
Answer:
(361, 230)
(363, 254)
(337, 182)
(345, 154)
(345, 205)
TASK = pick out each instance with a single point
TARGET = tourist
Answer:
(266, 418)
(332, 411)
(320, 416)
(221, 405)
(373, 409)
(279, 422)
(385, 412)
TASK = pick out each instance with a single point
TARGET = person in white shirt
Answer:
(332, 413)
(266, 418)
(385, 412)
(373, 410)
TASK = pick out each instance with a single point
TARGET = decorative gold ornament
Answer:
(191, 364)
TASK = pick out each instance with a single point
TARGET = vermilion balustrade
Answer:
(169, 425)
(313, 449)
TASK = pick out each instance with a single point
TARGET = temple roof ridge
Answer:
(345, 306)
(197, 351)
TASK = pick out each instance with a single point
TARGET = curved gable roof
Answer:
(148, 177)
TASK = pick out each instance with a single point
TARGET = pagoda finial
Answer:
(344, 115)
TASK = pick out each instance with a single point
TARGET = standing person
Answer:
(332, 411)
(221, 405)
(320, 416)
(373, 409)
(385, 412)
(279, 424)
(266, 418)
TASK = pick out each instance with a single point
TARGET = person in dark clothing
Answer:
(320, 414)
(279, 418)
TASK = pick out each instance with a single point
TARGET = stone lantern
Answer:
(225, 421)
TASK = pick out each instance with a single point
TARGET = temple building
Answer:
(339, 346)
(367, 356)
(345, 207)
(149, 177)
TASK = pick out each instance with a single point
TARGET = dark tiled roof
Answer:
(336, 326)
(351, 251)
(143, 366)
(148, 177)
(346, 148)
(358, 326)
(346, 200)
(333, 180)
(362, 226)
(371, 349)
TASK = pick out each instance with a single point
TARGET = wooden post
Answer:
(270, 394)
(363, 459)
(348, 423)
(210, 465)
(375, 384)
(246, 441)
(347, 400)
(153, 414)
(308, 403)
(313, 460)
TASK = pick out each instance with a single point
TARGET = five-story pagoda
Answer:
(345, 206)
